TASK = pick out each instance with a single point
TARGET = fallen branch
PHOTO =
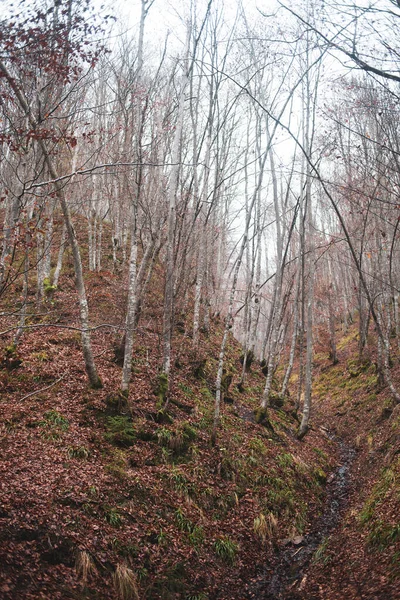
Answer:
(42, 389)
(62, 327)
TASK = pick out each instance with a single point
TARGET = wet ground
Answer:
(286, 580)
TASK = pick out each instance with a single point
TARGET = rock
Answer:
(298, 540)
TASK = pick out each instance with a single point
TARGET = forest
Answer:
(199, 300)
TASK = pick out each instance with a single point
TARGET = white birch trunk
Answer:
(60, 255)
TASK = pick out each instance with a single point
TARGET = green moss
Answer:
(161, 389)
(117, 404)
(117, 468)
(120, 431)
(97, 384)
(320, 476)
(48, 288)
(206, 394)
(257, 446)
(261, 415)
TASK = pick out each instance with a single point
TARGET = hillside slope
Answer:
(103, 498)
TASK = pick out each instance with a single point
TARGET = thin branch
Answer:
(103, 325)
(42, 389)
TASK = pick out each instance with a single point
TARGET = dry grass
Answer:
(265, 527)
(125, 583)
(84, 566)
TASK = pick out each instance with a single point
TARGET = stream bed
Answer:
(289, 573)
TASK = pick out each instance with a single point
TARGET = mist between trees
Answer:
(256, 161)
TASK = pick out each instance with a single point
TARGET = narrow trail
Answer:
(286, 578)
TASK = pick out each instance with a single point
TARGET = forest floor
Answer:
(103, 499)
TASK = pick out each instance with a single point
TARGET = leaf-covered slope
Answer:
(99, 493)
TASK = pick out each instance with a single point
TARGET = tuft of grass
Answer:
(265, 526)
(183, 522)
(127, 551)
(125, 583)
(320, 555)
(40, 356)
(178, 440)
(377, 496)
(226, 549)
(196, 536)
(284, 460)
(195, 532)
(78, 452)
(187, 390)
(113, 517)
(321, 454)
(54, 418)
(54, 424)
(84, 566)
(179, 481)
(320, 476)
(383, 535)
